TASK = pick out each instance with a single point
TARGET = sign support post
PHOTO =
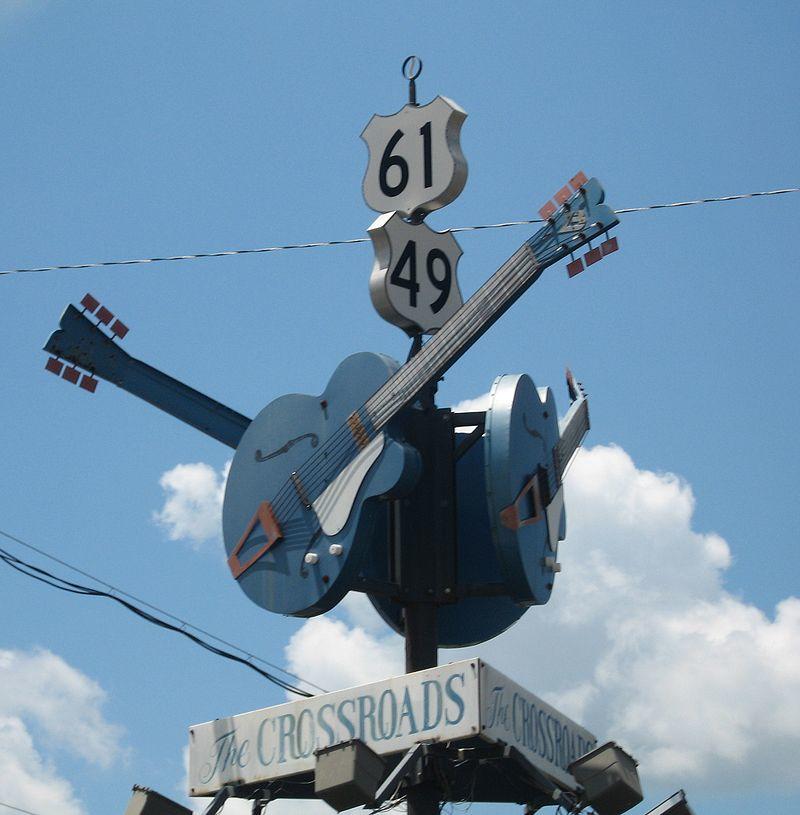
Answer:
(423, 536)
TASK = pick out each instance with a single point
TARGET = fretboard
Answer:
(574, 427)
(467, 325)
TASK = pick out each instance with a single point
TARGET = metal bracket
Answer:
(404, 768)
(217, 802)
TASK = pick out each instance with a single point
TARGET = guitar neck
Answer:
(477, 315)
(583, 218)
(574, 427)
(82, 343)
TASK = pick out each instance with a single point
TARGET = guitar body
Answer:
(469, 620)
(520, 435)
(288, 433)
(525, 503)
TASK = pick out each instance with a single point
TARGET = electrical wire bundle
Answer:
(62, 584)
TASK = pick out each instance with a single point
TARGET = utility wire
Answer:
(17, 809)
(322, 244)
(117, 594)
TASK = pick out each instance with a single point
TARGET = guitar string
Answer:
(466, 316)
(315, 464)
(473, 315)
(455, 333)
(519, 265)
(575, 435)
(568, 439)
(576, 429)
(343, 434)
(385, 400)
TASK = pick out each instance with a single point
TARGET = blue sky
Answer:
(143, 129)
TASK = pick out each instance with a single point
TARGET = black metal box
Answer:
(348, 774)
(145, 801)
(609, 778)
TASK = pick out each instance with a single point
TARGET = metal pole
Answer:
(423, 798)
(422, 649)
(424, 538)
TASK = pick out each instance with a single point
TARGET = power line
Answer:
(117, 594)
(325, 244)
(17, 809)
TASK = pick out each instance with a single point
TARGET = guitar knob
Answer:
(311, 558)
(550, 563)
(336, 549)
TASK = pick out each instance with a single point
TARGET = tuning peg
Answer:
(88, 383)
(54, 365)
(104, 315)
(578, 180)
(89, 303)
(592, 256)
(576, 267)
(71, 375)
(609, 246)
(119, 329)
(571, 386)
(563, 195)
(546, 212)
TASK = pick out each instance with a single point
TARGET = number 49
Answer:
(408, 258)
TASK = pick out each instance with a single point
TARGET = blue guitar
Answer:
(303, 495)
(510, 515)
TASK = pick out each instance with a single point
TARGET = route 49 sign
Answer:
(413, 283)
(415, 159)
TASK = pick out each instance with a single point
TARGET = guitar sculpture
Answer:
(302, 501)
(510, 511)
(311, 510)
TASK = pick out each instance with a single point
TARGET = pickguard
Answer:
(334, 505)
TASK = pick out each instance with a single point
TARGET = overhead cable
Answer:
(178, 625)
(17, 809)
(323, 244)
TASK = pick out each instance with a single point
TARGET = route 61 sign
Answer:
(415, 159)
(413, 283)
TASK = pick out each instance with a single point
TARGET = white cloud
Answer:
(42, 695)
(339, 655)
(26, 779)
(64, 703)
(640, 642)
(193, 504)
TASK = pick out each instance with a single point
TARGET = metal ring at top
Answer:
(412, 67)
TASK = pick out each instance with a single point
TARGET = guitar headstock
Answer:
(85, 344)
(577, 217)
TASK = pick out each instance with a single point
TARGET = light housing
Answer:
(145, 801)
(609, 779)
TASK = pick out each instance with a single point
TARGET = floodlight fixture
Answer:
(347, 775)
(145, 801)
(674, 805)
(609, 779)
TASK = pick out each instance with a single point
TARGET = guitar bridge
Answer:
(300, 490)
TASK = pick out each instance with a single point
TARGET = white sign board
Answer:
(458, 701)
(547, 738)
(415, 159)
(413, 283)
